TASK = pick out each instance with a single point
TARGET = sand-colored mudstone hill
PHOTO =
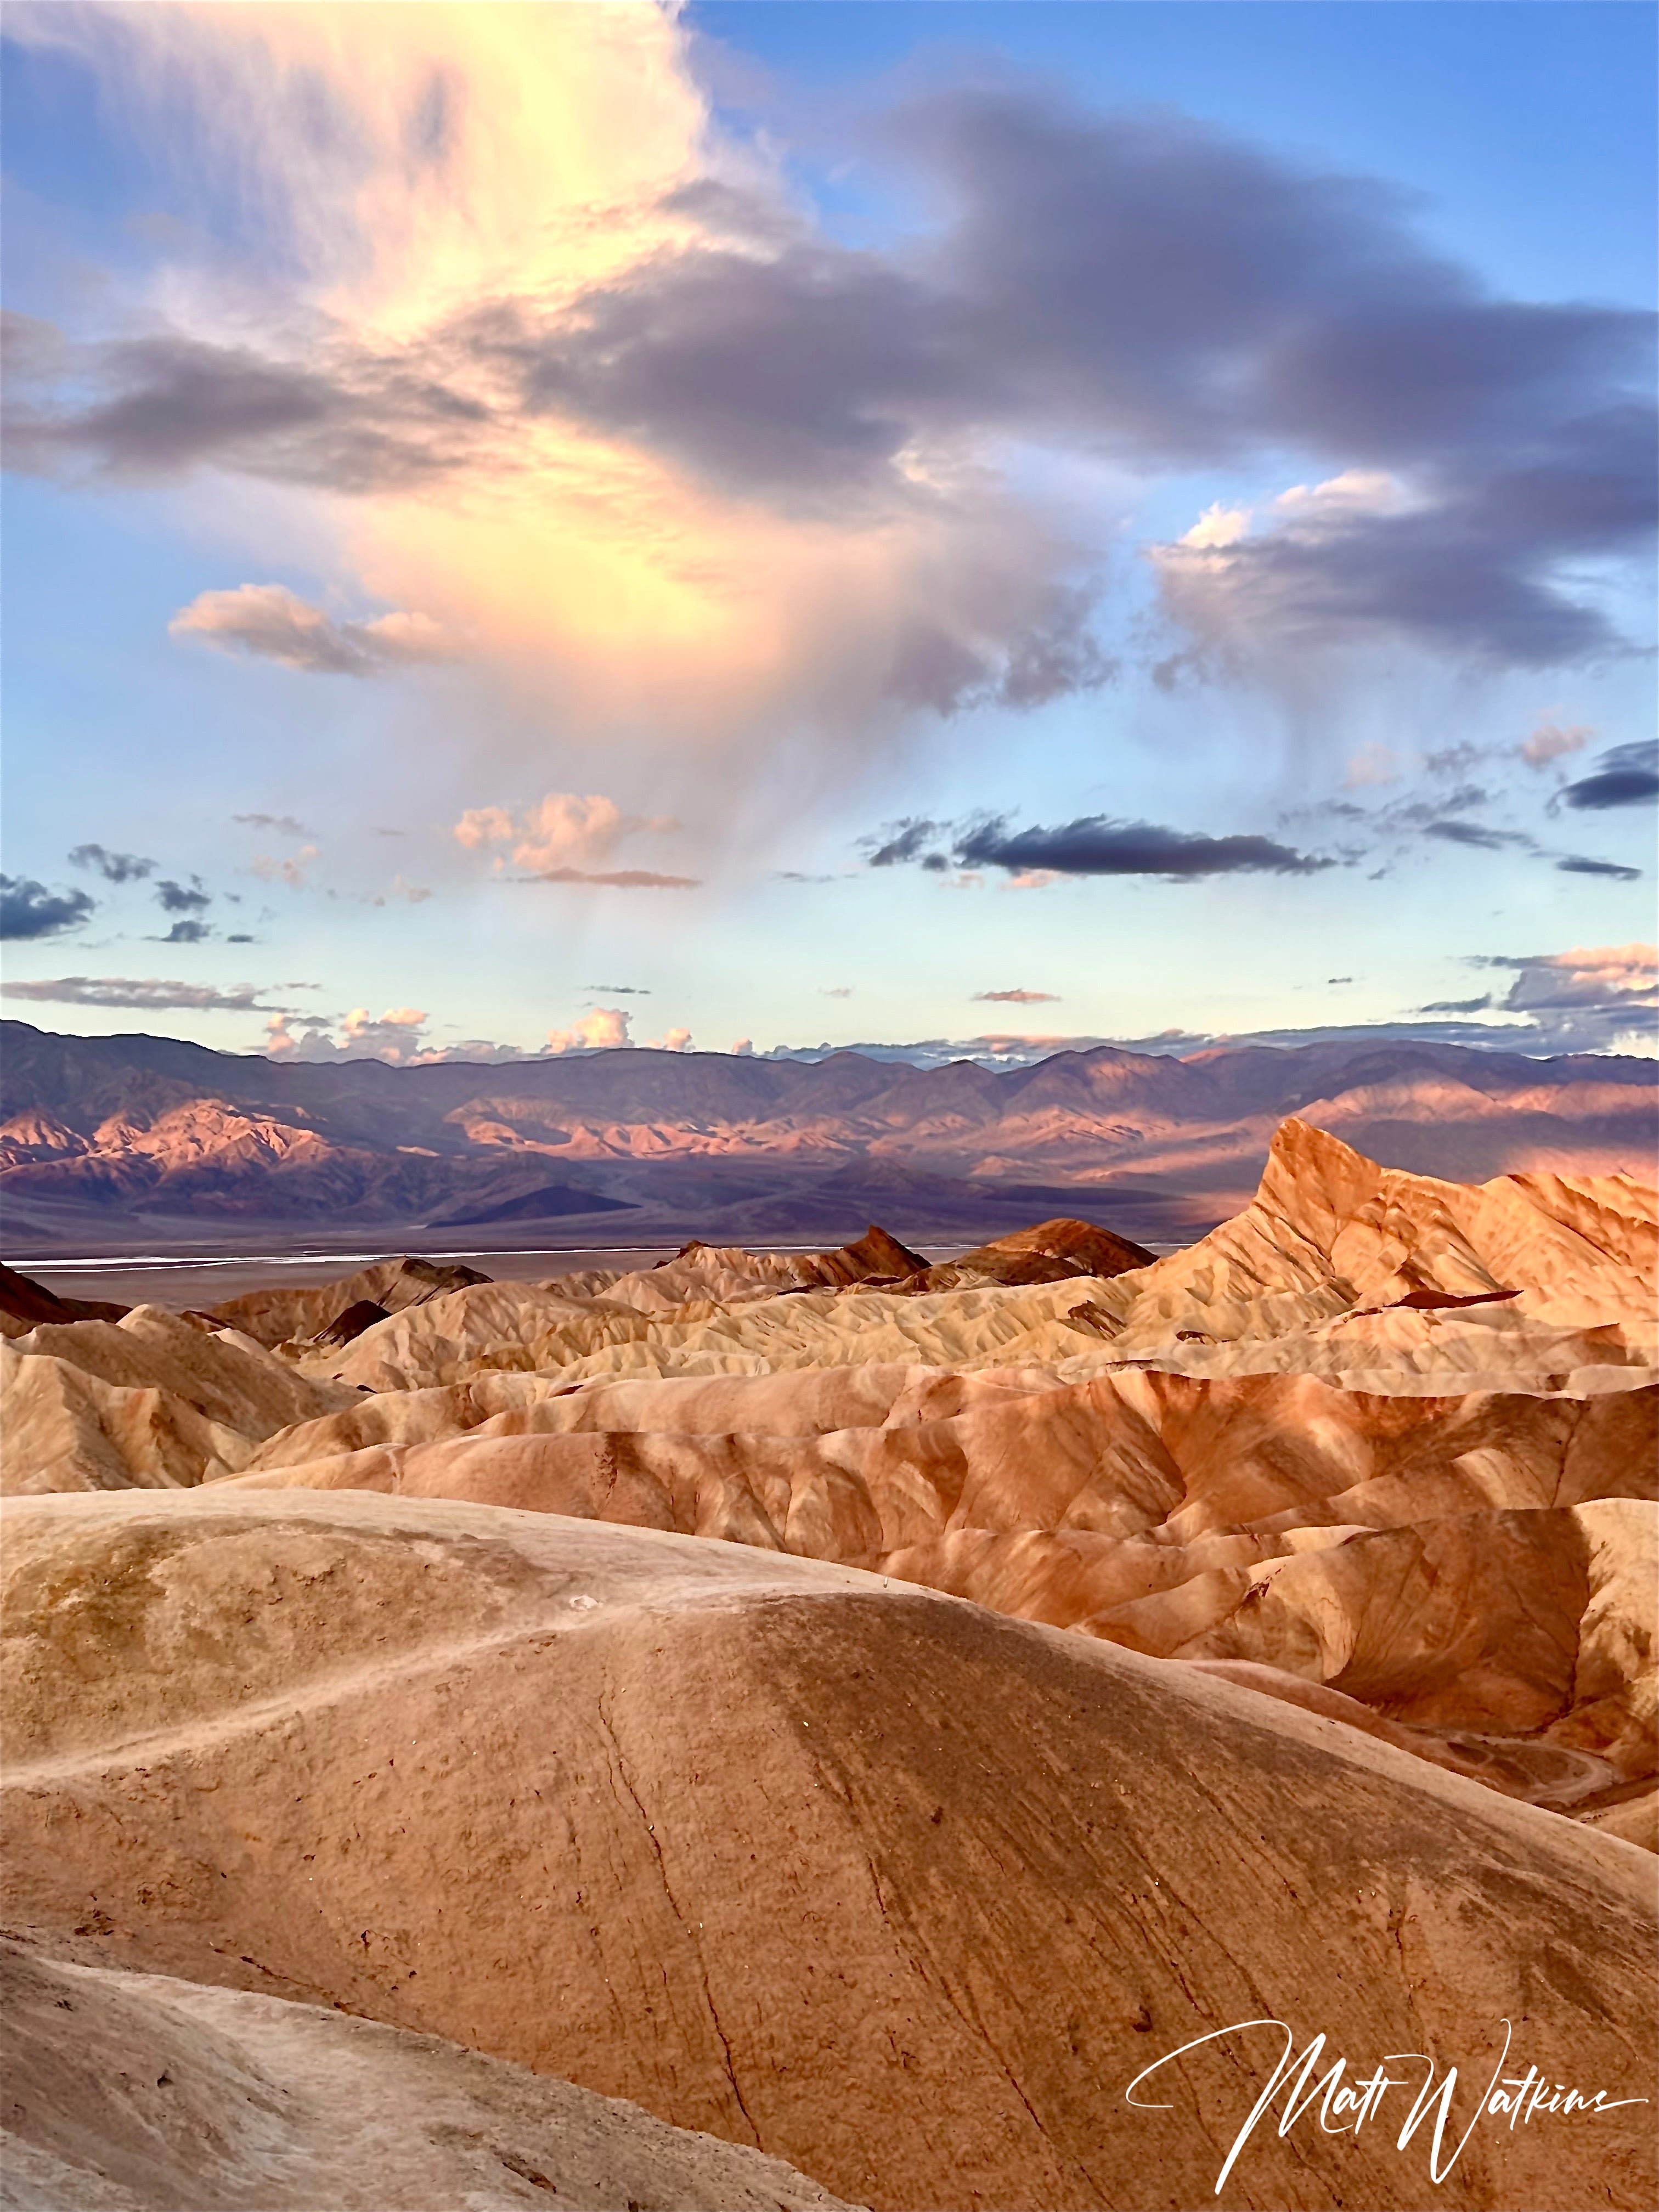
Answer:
(124, 2091)
(863, 1708)
(870, 1879)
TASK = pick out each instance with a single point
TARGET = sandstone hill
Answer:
(860, 1876)
(103, 1139)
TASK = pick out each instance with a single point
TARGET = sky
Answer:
(944, 529)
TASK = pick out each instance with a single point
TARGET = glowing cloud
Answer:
(604, 1030)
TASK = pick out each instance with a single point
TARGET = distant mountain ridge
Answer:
(99, 1136)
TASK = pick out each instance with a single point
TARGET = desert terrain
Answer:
(811, 1728)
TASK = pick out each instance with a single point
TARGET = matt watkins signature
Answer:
(1347, 2101)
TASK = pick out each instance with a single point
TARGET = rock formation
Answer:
(882, 1883)
(1092, 1651)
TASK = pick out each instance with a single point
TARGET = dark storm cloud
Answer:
(1575, 864)
(182, 898)
(903, 841)
(1143, 285)
(1626, 775)
(1132, 284)
(115, 867)
(28, 909)
(1094, 845)
(150, 409)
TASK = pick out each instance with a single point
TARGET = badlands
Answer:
(808, 1728)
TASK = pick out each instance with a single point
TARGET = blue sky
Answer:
(506, 524)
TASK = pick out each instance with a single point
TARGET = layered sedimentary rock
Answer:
(1421, 1556)
(153, 1399)
(887, 1885)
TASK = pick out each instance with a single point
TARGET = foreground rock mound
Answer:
(879, 1883)
(136, 2093)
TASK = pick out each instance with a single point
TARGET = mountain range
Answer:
(114, 1143)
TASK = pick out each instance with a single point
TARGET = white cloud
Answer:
(604, 1030)
(397, 1036)
(564, 834)
(274, 623)
(1218, 525)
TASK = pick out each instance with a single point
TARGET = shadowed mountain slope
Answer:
(93, 1130)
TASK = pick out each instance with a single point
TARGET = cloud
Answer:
(114, 867)
(181, 898)
(273, 624)
(1374, 763)
(903, 841)
(1018, 998)
(637, 427)
(673, 1040)
(397, 1036)
(285, 822)
(150, 994)
(1476, 835)
(1098, 845)
(294, 870)
(621, 990)
(186, 933)
(1549, 742)
(1575, 864)
(1476, 571)
(1594, 998)
(414, 894)
(563, 828)
(604, 1030)
(1626, 775)
(28, 909)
